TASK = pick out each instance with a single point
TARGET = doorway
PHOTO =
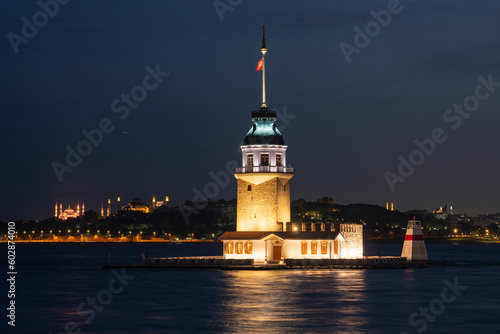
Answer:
(277, 253)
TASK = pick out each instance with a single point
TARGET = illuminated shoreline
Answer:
(89, 239)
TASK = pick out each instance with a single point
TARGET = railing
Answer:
(264, 169)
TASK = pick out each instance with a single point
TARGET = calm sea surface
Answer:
(54, 280)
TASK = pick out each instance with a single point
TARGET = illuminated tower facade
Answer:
(78, 207)
(264, 177)
(109, 207)
(154, 202)
(56, 209)
(118, 204)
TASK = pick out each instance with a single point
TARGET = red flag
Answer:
(444, 209)
(259, 65)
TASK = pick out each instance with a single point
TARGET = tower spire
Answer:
(263, 49)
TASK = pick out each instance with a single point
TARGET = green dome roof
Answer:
(264, 130)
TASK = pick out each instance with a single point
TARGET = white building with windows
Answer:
(264, 231)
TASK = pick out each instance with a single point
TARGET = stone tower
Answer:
(263, 178)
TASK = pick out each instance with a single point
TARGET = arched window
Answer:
(303, 247)
(239, 247)
(314, 247)
(248, 247)
(324, 247)
(249, 188)
(229, 247)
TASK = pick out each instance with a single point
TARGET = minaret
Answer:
(263, 178)
(118, 204)
(60, 207)
(109, 207)
(387, 205)
(166, 201)
(56, 209)
(102, 210)
(77, 207)
(83, 207)
(392, 206)
(154, 202)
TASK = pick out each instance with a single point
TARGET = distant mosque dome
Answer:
(137, 204)
(68, 213)
(264, 130)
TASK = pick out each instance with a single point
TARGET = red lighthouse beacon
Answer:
(414, 245)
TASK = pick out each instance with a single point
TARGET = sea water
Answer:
(63, 288)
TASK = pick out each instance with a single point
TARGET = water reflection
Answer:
(294, 301)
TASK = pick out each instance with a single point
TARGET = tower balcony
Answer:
(264, 169)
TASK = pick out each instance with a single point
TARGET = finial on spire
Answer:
(263, 48)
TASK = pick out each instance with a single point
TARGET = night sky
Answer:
(347, 123)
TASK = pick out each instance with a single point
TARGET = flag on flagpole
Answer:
(259, 65)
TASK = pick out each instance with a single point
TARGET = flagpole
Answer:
(263, 50)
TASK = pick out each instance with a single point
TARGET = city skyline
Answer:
(189, 72)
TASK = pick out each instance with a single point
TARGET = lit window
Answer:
(248, 247)
(250, 160)
(314, 247)
(278, 159)
(303, 227)
(303, 248)
(335, 247)
(322, 227)
(239, 247)
(249, 188)
(264, 159)
(229, 247)
(324, 247)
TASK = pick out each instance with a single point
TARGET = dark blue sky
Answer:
(352, 120)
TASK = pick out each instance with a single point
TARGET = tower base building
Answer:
(264, 231)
